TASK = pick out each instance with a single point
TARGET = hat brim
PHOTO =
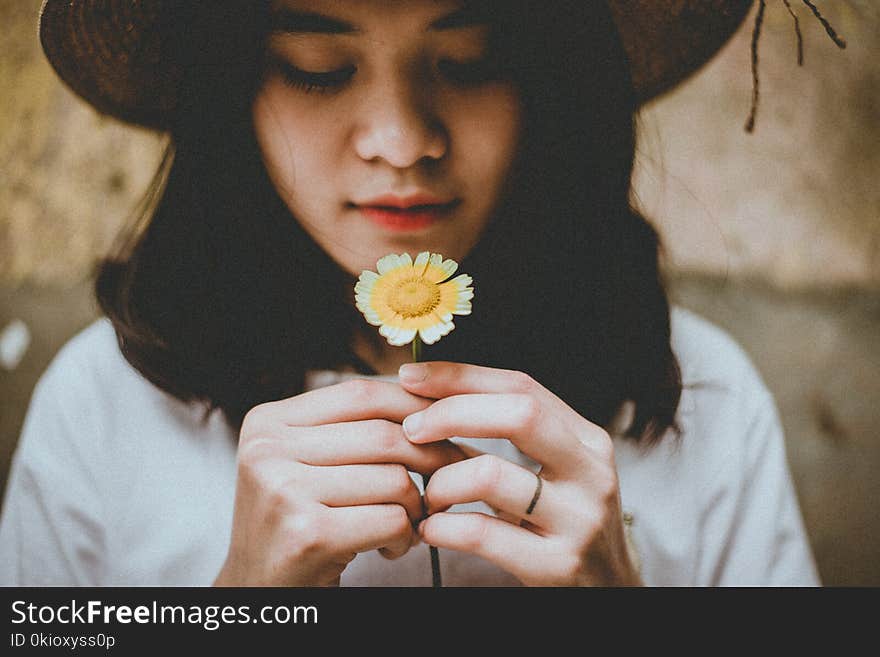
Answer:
(669, 40)
(112, 53)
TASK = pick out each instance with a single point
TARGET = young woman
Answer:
(234, 420)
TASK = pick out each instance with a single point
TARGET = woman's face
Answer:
(372, 107)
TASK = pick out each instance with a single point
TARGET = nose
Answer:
(398, 125)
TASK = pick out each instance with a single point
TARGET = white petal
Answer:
(403, 336)
(429, 335)
(432, 334)
(388, 263)
(405, 259)
(421, 263)
(462, 281)
(449, 266)
(368, 276)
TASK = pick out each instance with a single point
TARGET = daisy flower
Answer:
(409, 298)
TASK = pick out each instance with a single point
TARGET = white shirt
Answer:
(115, 482)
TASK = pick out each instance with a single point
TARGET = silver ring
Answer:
(536, 495)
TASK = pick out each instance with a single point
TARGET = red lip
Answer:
(393, 201)
(407, 213)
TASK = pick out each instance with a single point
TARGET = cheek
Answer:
(490, 135)
(295, 143)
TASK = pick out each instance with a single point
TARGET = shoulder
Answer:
(73, 394)
(90, 353)
(92, 362)
(66, 423)
(92, 410)
(715, 504)
(89, 388)
(710, 357)
(726, 412)
(89, 372)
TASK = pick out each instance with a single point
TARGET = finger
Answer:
(384, 527)
(356, 399)
(369, 441)
(437, 379)
(499, 483)
(510, 547)
(536, 430)
(358, 485)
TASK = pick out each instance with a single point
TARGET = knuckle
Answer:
(529, 411)
(488, 472)
(401, 481)
(360, 391)
(398, 521)
(251, 459)
(604, 445)
(277, 503)
(522, 382)
(305, 531)
(254, 424)
(474, 534)
(403, 522)
(386, 434)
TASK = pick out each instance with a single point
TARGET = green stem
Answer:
(436, 580)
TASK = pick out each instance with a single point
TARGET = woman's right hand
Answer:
(323, 476)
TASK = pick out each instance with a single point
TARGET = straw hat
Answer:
(110, 51)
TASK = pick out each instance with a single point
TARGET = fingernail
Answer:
(412, 373)
(412, 424)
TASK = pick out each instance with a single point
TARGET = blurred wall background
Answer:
(774, 236)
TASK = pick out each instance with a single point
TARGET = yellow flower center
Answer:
(414, 297)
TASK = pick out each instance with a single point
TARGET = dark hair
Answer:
(223, 298)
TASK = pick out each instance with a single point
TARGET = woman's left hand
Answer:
(574, 535)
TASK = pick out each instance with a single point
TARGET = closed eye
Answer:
(308, 81)
(464, 73)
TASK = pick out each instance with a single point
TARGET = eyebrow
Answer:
(290, 21)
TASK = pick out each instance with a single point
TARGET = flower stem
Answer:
(436, 580)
